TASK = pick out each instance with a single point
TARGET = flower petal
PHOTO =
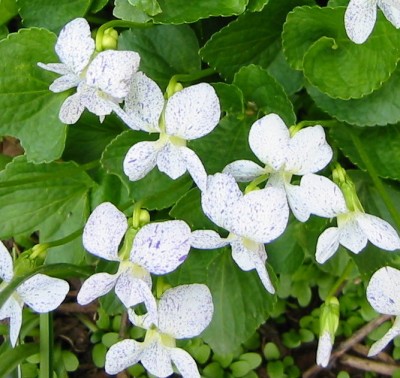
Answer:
(96, 286)
(64, 83)
(383, 291)
(43, 293)
(184, 362)
(391, 11)
(195, 167)
(91, 99)
(308, 151)
(351, 236)
(261, 215)
(162, 246)
(111, 71)
(324, 197)
(207, 239)
(75, 45)
(297, 200)
(359, 19)
(244, 170)
(327, 244)
(170, 161)
(192, 112)
(379, 345)
(71, 109)
(156, 360)
(269, 140)
(379, 232)
(144, 103)
(104, 231)
(59, 68)
(324, 350)
(14, 312)
(122, 355)
(140, 160)
(185, 311)
(6, 264)
(221, 195)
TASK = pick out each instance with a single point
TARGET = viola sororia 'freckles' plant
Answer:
(216, 148)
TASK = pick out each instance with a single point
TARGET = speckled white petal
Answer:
(379, 345)
(15, 314)
(244, 170)
(96, 103)
(261, 215)
(221, 195)
(184, 362)
(269, 139)
(71, 109)
(351, 235)
(192, 112)
(64, 82)
(170, 161)
(6, 264)
(140, 160)
(207, 239)
(162, 246)
(144, 103)
(391, 11)
(259, 257)
(324, 197)
(359, 19)
(96, 286)
(59, 68)
(324, 350)
(195, 167)
(297, 202)
(75, 45)
(241, 255)
(308, 151)
(156, 360)
(185, 311)
(112, 71)
(383, 291)
(327, 244)
(43, 293)
(379, 232)
(122, 355)
(104, 231)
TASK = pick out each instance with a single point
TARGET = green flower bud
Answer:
(110, 39)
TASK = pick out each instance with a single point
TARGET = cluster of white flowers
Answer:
(104, 81)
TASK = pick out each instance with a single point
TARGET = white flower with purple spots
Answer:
(360, 17)
(182, 312)
(383, 295)
(284, 156)
(40, 292)
(102, 79)
(157, 248)
(187, 115)
(252, 219)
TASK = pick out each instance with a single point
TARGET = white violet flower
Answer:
(383, 295)
(40, 292)
(284, 156)
(360, 17)
(354, 228)
(157, 248)
(182, 312)
(188, 114)
(252, 220)
(102, 79)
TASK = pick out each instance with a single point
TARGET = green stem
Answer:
(64, 240)
(136, 214)
(335, 288)
(255, 183)
(90, 165)
(197, 75)
(323, 123)
(46, 345)
(375, 178)
(92, 327)
(117, 24)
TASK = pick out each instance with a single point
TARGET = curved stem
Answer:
(343, 277)
(255, 183)
(46, 345)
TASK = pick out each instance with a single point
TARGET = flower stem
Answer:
(343, 277)
(92, 327)
(46, 345)
(253, 185)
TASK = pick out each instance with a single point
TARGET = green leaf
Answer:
(8, 10)
(253, 38)
(31, 195)
(382, 144)
(330, 60)
(256, 5)
(151, 7)
(97, 5)
(230, 98)
(259, 87)
(183, 11)
(124, 10)
(159, 59)
(236, 314)
(380, 108)
(28, 110)
(13, 357)
(52, 15)
(156, 190)
(3, 31)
